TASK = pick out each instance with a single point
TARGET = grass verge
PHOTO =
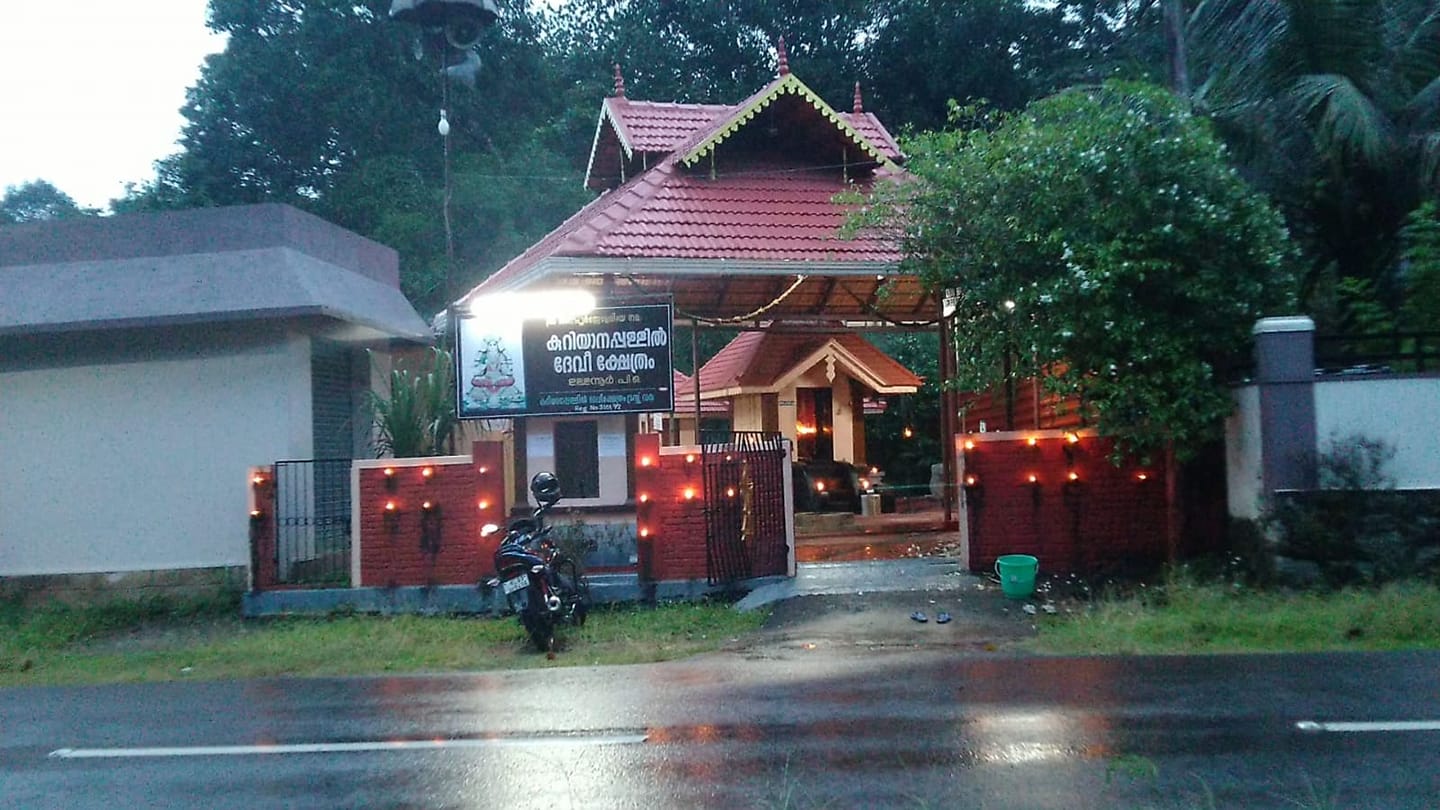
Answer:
(165, 641)
(1182, 617)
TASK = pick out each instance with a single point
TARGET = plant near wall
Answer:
(1422, 269)
(1356, 528)
(417, 418)
(1100, 240)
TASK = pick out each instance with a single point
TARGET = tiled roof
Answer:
(765, 213)
(685, 399)
(763, 360)
(708, 139)
(744, 197)
(650, 126)
(658, 127)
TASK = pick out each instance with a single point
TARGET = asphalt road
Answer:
(788, 724)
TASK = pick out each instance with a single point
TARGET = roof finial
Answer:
(784, 61)
(859, 107)
(619, 82)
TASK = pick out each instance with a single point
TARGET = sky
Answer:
(90, 90)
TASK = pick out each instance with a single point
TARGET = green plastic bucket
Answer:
(1017, 574)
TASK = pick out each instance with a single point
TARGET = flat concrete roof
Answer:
(249, 262)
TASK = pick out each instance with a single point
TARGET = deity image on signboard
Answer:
(497, 382)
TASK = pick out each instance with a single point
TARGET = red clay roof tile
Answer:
(760, 360)
(774, 212)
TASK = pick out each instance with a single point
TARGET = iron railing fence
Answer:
(312, 522)
(1381, 353)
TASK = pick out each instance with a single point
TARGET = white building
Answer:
(148, 360)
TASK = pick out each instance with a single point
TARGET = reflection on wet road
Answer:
(927, 729)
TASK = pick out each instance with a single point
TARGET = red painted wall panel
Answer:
(1106, 517)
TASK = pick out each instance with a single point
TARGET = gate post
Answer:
(261, 498)
(647, 464)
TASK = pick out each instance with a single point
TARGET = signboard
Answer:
(609, 360)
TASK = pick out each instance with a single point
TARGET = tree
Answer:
(1003, 52)
(1099, 239)
(1334, 106)
(38, 201)
(332, 107)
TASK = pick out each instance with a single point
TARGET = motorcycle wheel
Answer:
(541, 630)
(575, 588)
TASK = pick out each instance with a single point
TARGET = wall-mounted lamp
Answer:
(972, 481)
(427, 473)
(644, 497)
(689, 493)
(1032, 442)
(646, 461)
(689, 458)
(390, 478)
(392, 515)
(969, 444)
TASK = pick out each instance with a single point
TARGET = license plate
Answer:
(510, 586)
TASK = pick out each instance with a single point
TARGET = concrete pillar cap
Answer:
(1287, 323)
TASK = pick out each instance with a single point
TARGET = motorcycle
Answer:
(542, 584)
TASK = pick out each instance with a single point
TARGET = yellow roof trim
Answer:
(788, 83)
(620, 132)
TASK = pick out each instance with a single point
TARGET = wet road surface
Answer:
(773, 726)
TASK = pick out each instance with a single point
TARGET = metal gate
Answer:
(745, 507)
(312, 522)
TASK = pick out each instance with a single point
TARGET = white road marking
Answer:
(341, 748)
(1394, 725)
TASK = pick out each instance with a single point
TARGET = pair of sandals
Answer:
(940, 618)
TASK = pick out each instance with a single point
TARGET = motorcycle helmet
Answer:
(546, 488)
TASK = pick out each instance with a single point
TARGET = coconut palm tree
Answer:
(1334, 106)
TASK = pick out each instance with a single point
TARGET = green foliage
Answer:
(1101, 239)
(38, 201)
(1191, 616)
(1421, 312)
(1333, 107)
(418, 417)
(206, 644)
(1356, 528)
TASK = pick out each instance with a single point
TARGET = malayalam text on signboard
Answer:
(611, 360)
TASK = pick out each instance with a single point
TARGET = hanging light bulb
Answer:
(444, 126)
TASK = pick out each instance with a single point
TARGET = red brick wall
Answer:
(461, 498)
(670, 525)
(670, 515)
(1107, 516)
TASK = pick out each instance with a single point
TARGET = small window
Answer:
(577, 459)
